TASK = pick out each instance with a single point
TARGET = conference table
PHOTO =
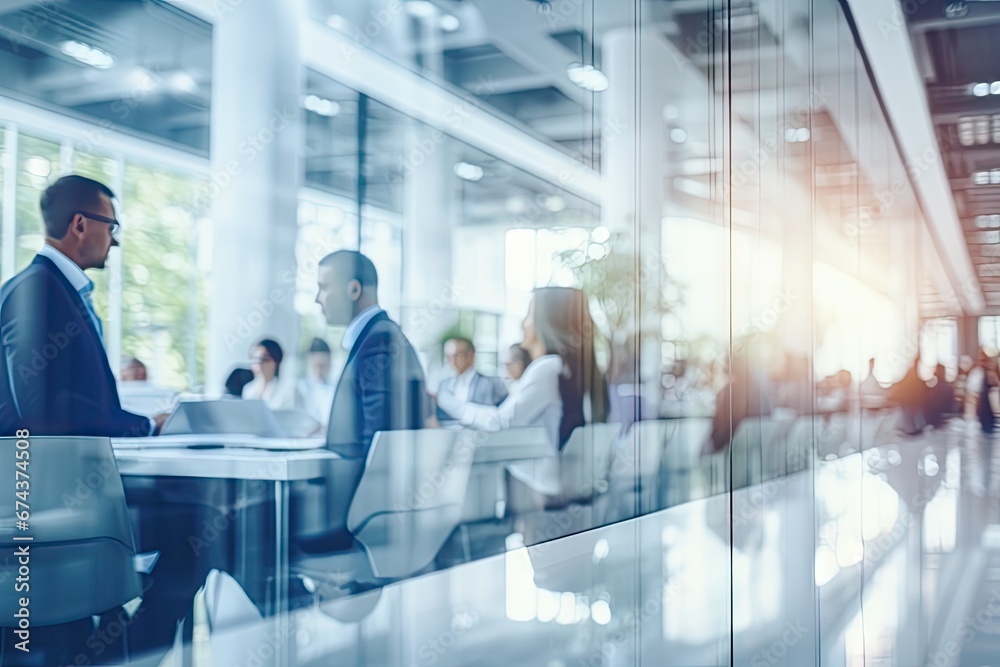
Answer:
(282, 461)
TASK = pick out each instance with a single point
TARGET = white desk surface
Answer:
(230, 440)
(234, 456)
(225, 463)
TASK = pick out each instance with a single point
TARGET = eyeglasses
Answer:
(260, 360)
(115, 225)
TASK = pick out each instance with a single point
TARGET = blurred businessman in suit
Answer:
(468, 385)
(382, 385)
(56, 379)
(380, 389)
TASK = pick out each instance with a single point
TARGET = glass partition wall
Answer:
(722, 182)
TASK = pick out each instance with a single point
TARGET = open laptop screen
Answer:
(248, 417)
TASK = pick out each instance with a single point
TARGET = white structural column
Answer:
(428, 190)
(429, 295)
(638, 66)
(254, 181)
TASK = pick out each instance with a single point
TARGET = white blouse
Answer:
(533, 401)
(279, 394)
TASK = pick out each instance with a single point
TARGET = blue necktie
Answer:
(85, 294)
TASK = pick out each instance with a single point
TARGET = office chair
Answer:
(81, 549)
(584, 464)
(408, 502)
(636, 469)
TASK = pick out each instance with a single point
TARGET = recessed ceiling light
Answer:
(140, 77)
(88, 55)
(337, 22)
(182, 82)
(956, 9)
(421, 9)
(678, 135)
(981, 89)
(797, 135)
(588, 77)
(982, 129)
(554, 203)
(516, 205)
(468, 171)
(320, 105)
(995, 88)
(449, 23)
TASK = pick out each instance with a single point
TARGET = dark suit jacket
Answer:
(381, 389)
(484, 390)
(54, 373)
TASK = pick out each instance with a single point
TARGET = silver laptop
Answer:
(244, 417)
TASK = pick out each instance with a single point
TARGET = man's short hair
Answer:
(66, 196)
(318, 345)
(352, 265)
(461, 339)
(132, 362)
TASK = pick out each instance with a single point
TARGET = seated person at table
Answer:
(561, 383)
(268, 384)
(314, 393)
(468, 385)
(56, 379)
(138, 394)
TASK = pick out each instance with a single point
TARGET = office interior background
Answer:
(756, 196)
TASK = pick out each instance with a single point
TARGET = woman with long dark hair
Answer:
(564, 327)
(562, 387)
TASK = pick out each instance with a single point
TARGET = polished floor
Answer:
(888, 556)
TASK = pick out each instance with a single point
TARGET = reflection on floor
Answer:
(888, 556)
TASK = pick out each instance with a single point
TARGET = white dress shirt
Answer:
(463, 385)
(358, 325)
(74, 274)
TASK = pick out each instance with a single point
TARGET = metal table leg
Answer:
(283, 635)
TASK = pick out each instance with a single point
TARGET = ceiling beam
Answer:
(334, 55)
(896, 75)
(522, 36)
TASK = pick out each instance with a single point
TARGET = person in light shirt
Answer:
(517, 361)
(268, 385)
(468, 385)
(562, 388)
(314, 392)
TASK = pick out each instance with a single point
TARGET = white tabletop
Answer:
(225, 463)
(218, 440)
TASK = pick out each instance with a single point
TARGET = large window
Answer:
(164, 268)
(152, 296)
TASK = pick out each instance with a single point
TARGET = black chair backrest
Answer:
(81, 552)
